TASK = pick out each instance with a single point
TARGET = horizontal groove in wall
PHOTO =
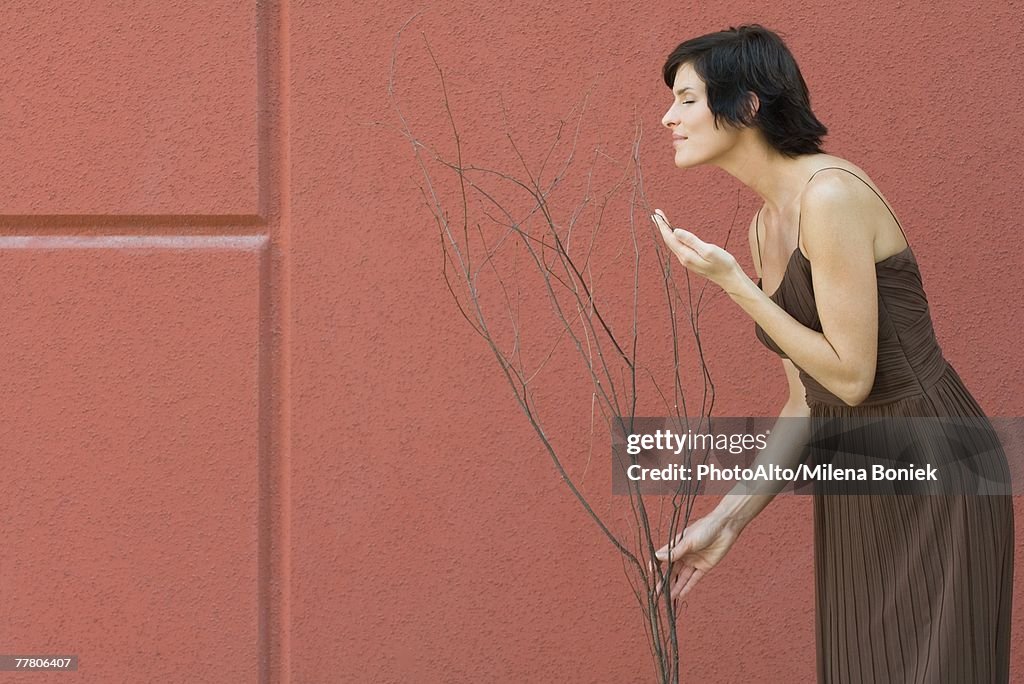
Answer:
(141, 221)
(234, 242)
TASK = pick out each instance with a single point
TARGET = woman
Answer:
(908, 588)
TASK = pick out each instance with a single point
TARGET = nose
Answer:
(670, 120)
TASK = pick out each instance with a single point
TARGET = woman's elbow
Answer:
(856, 391)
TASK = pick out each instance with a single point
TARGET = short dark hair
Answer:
(753, 59)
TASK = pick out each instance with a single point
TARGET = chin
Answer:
(687, 163)
(694, 158)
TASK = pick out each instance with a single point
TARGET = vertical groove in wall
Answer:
(266, 460)
(284, 387)
(275, 339)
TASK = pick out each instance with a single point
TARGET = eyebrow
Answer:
(683, 90)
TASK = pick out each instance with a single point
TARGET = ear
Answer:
(753, 105)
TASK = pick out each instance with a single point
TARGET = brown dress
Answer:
(907, 588)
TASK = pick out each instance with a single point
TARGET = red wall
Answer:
(249, 437)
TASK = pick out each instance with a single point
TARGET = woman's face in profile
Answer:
(691, 117)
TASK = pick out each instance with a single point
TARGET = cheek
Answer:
(704, 122)
(712, 136)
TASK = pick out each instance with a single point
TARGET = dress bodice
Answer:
(909, 356)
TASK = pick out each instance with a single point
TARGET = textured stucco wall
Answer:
(255, 440)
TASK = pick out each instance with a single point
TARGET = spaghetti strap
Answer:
(757, 234)
(862, 181)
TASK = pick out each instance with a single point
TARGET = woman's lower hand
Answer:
(702, 258)
(694, 553)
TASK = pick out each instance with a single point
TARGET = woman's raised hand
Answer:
(702, 258)
(695, 552)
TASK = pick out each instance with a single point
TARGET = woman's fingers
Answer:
(660, 580)
(679, 548)
(690, 582)
(692, 241)
(662, 223)
(685, 244)
(684, 578)
(683, 238)
(655, 572)
(685, 573)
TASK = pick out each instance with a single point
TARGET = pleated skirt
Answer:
(913, 588)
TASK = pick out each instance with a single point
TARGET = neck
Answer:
(778, 179)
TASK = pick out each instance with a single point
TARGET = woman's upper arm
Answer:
(840, 245)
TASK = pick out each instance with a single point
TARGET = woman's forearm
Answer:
(808, 349)
(785, 449)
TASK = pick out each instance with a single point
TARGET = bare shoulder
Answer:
(833, 207)
(837, 182)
